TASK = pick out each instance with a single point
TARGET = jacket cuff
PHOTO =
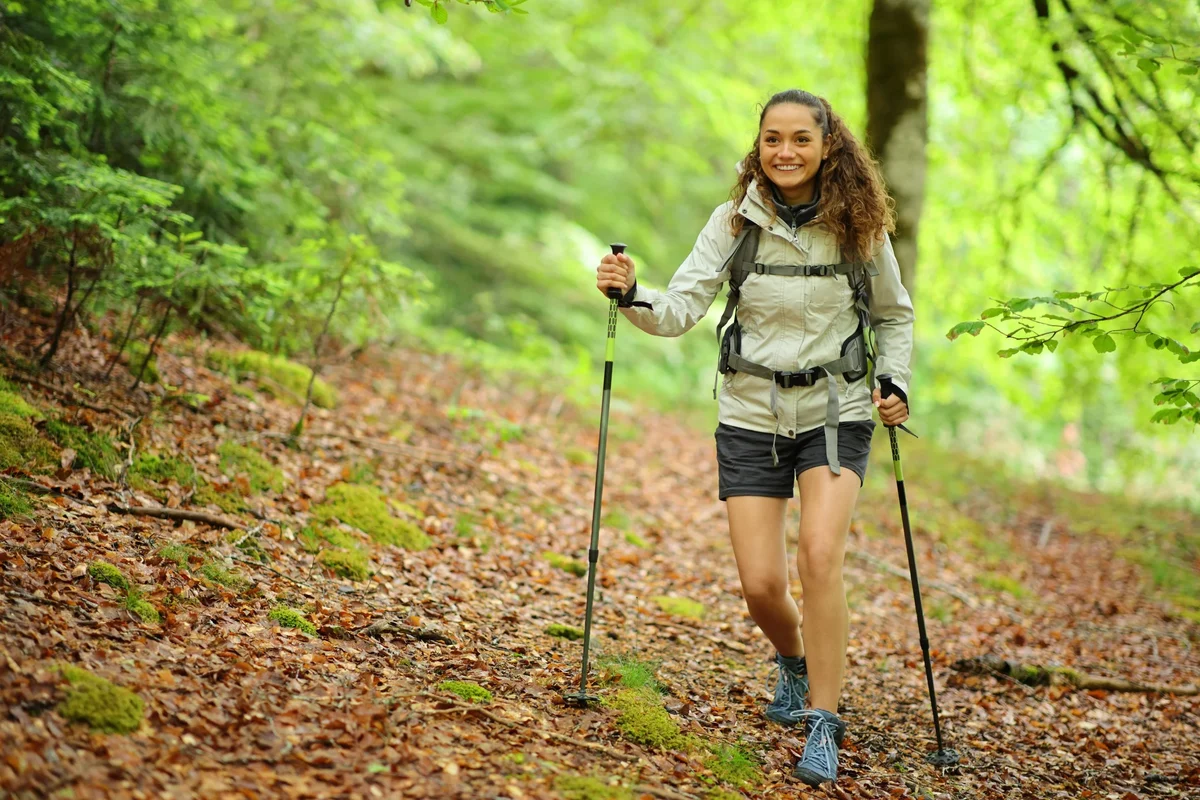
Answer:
(626, 300)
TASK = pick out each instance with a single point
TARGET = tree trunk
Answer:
(896, 114)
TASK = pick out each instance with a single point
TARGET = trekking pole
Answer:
(614, 294)
(943, 756)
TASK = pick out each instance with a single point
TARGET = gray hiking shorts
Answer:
(744, 463)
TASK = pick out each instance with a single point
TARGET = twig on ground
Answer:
(271, 569)
(68, 395)
(884, 566)
(162, 512)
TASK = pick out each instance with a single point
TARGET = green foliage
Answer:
(565, 563)
(363, 507)
(13, 502)
(680, 606)
(138, 352)
(22, 447)
(471, 692)
(103, 572)
(277, 375)
(568, 632)
(102, 705)
(637, 541)
(291, 618)
(350, 564)
(1003, 583)
(239, 459)
(93, 450)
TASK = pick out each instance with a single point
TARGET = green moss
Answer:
(580, 787)
(464, 525)
(472, 692)
(616, 518)
(93, 451)
(228, 501)
(644, 721)
(1003, 583)
(566, 564)
(291, 618)
(346, 564)
(13, 502)
(363, 507)
(218, 574)
(564, 631)
(723, 794)
(680, 606)
(1031, 675)
(578, 455)
(150, 469)
(278, 372)
(181, 554)
(137, 351)
(142, 607)
(250, 545)
(22, 447)
(11, 402)
(733, 765)
(104, 706)
(103, 572)
(239, 459)
(637, 541)
(631, 673)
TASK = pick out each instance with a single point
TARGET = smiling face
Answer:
(790, 146)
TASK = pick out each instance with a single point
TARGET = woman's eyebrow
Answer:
(772, 130)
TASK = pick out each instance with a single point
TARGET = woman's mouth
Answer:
(787, 167)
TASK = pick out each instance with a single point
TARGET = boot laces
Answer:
(820, 750)
(790, 690)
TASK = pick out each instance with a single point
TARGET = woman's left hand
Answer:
(892, 410)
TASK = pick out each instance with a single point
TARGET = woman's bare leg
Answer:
(826, 506)
(756, 528)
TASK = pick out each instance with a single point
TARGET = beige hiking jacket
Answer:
(788, 323)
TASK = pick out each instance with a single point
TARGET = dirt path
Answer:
(236, 706)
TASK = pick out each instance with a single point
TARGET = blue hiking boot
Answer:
(791, 691)
(825, 732)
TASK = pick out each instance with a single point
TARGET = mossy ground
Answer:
(581, 787)
(564, 631)
(644, 721)
(1003, 583)
(630, 672)
(104, 706)
(13, 502)
(363, 507)
(181, 554)
(21, 446)
(291, 618)
(467, 690)
(143, 608)
(237, 459)
(350, 564)
(11, 402)
(93, 450)
(280, 371)
(220, 575)
(680, 606)
(103, 572)
(637, 541)
(733, 765)
(150, 469)
(565, 563)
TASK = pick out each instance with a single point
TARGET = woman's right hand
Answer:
(615, 270)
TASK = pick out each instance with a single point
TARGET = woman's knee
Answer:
(819, 563)
(764, 590)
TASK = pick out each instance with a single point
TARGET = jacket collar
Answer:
(755, 209)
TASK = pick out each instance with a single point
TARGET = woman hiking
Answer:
(804, 245)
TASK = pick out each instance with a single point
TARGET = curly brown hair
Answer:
(854, 205)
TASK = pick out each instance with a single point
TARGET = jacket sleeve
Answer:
(676, 310)
(891, 313)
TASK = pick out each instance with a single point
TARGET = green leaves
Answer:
(1104, 343)
(972, 328)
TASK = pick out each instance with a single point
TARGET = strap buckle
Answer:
(822, 270)
(761, 269)
(806, 377)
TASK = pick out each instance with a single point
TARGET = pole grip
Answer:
(614, 293)
(886, 387)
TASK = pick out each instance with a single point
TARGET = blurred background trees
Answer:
(448, 177)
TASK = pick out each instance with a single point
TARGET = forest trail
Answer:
(237, 706)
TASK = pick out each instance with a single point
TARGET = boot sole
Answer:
(811, 778)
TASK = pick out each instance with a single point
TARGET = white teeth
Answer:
(787, 167)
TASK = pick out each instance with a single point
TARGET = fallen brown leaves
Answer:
(240, 707)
